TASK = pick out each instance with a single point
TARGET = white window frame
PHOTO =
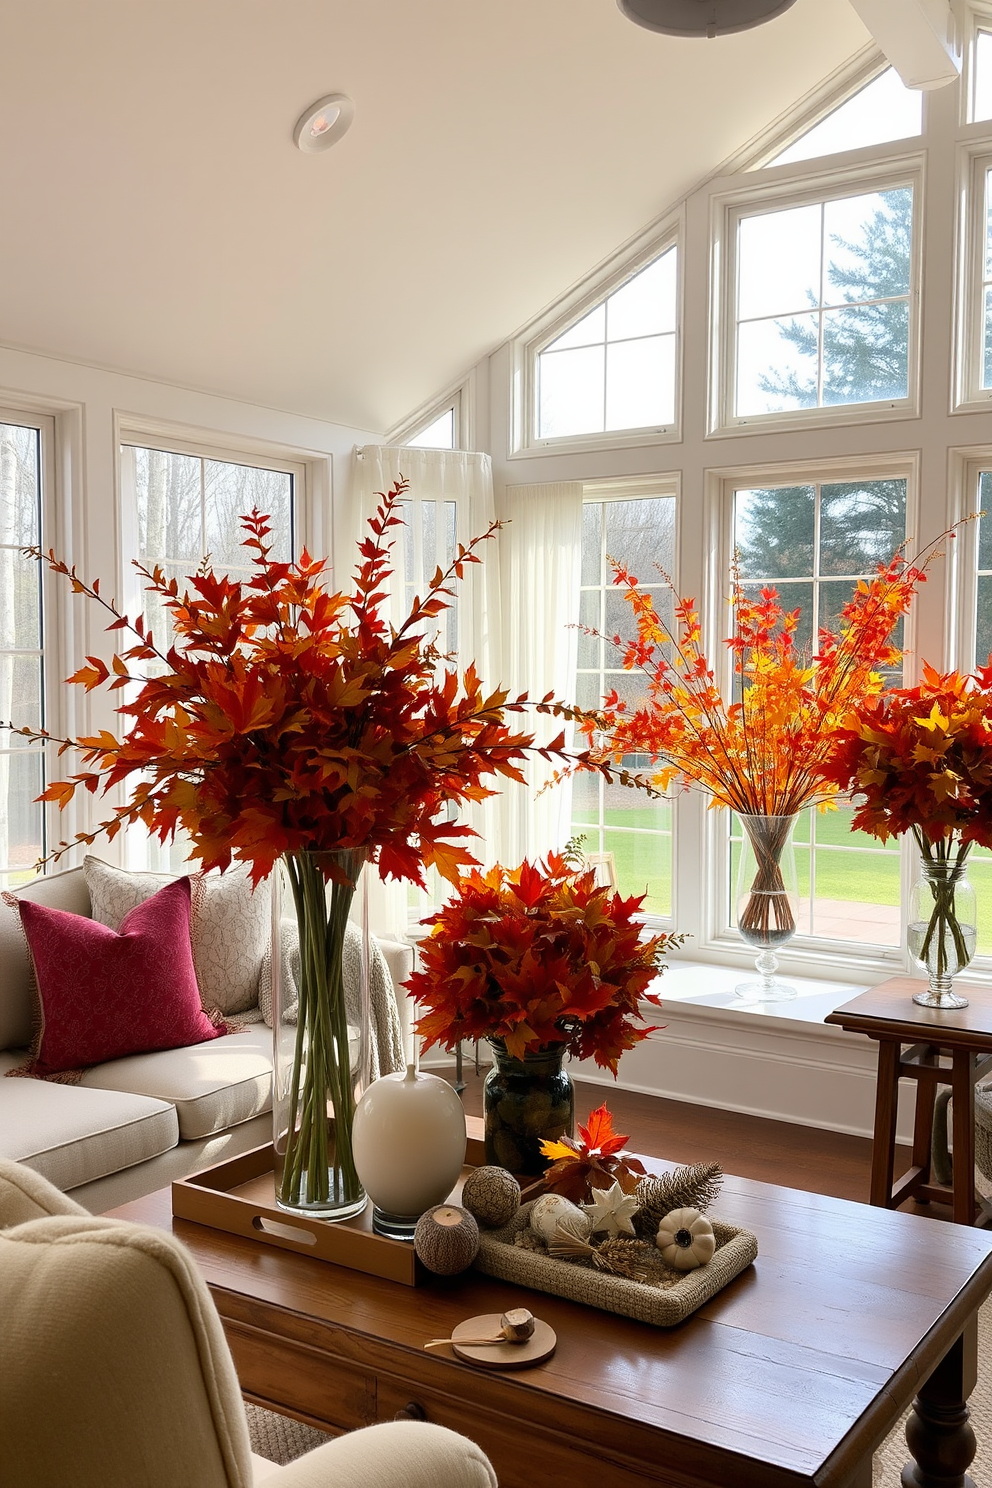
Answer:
(597, 287)
(714, 939)
(460, 398)
(802, 187)
(58, 719)
(311, 476)
(974, 160)
(978, 17)
(633, 488)
(966, 465)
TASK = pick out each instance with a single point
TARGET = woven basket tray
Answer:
(499, 1256)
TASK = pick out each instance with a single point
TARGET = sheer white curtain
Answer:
(541, 571)
(444, 484)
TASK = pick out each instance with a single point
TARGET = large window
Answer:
(614, 368)
(185, 510)
(822, 299)
(635, 829)
(813, 542)
(23, 641)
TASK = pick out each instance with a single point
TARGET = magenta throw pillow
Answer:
(106, 993)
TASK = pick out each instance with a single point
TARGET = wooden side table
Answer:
(933, 1048)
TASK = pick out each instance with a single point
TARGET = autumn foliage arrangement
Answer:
(595, 1159)
(765, 752)
(288, 722)
(538, 957)
(919, 760)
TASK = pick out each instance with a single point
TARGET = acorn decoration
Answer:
(446, 1239)
(492, 1196)
(686, 1239)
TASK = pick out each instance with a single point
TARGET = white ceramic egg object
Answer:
(408, 1141)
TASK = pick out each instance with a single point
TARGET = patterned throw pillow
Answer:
(105, 994)
(230, 926)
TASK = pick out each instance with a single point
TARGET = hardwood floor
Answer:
(771, 1151)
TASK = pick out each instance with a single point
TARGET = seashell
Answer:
(552, 1209)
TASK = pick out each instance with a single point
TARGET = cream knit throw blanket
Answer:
(385, 1039)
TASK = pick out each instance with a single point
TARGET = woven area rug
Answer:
(280, 1439)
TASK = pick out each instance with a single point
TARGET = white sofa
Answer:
(133, 1125)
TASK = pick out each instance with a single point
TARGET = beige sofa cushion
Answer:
(60, 891)
(230, 925)
(212, 1086)
(71, 1135)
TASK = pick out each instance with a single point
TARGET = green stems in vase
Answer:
(318, 1173)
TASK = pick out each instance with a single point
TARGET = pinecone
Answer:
(693, 1187)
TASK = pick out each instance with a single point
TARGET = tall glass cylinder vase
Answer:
(943, 918)
(320, 1011)
(767, 900)
(526, 1101)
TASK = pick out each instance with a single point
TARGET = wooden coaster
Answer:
(540, 1346)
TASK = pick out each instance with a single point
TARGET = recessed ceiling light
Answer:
(324, 122)
(701, 17)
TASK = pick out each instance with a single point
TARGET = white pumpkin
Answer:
(686, 1239)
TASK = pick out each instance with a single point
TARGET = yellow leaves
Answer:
(558, 1152)
(934, 720)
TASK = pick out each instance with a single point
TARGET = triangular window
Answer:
(614, 368)
(882, 110)
(438, 434)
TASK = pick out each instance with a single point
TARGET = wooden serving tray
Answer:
(239, 1196)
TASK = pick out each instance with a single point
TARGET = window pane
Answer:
(438, 435)
(857, 883)
(572, 392)
(20, 602)
(590, 653)
(866, 353)
(232, 492)
(588, 331)
(777, 364)
(613, 818)
(640, 383)
(982, 90)
(641, 534)
(778, 262)
(868, 242)
(883, 110)
(861, 524)
(20, 511)
(774, 532)
(20, 695)
(985, 522)
(592, 528)
(645, 305)
(22, 840)
(983, 629)
(987, 356)
(169, 507)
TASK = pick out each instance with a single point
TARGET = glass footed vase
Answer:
(943, 915)
(767, 901)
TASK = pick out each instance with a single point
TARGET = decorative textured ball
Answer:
(492, 1195)
(446, 1239)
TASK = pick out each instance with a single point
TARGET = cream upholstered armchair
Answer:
(114, 1370)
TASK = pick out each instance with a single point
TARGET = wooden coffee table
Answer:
(792, 1376)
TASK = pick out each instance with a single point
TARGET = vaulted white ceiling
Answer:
(156, 218)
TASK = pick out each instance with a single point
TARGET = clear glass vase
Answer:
(320, 1014)
(943, 917)
(526, 1102)
(767, 900)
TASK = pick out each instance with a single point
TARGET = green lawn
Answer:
(868, 875)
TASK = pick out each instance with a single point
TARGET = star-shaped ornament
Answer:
(612, 1210)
